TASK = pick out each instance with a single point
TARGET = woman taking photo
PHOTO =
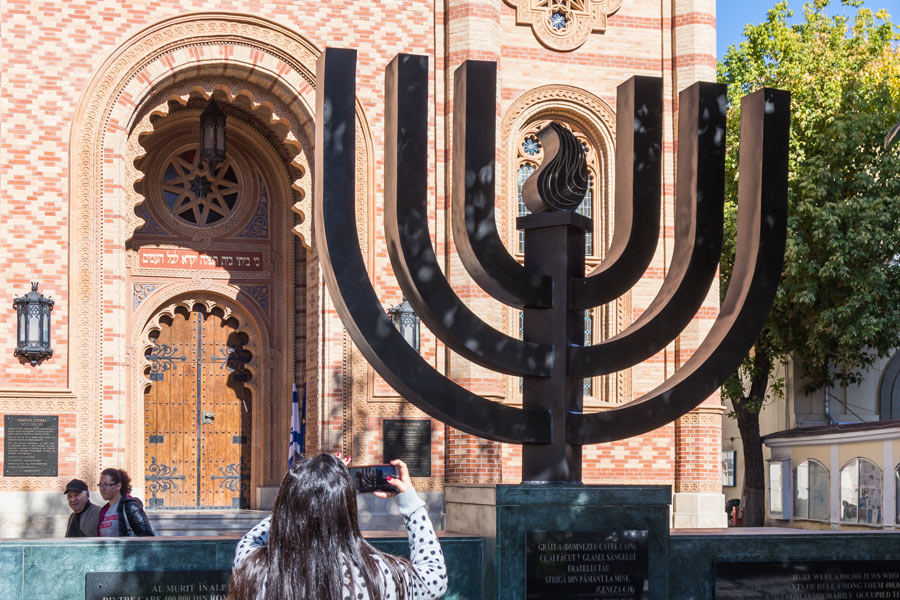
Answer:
(123, 515)
(311, 547)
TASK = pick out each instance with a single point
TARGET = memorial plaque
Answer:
(587, 565)
(157, 585)
(30, 445)
(808, 580)
(410, 441)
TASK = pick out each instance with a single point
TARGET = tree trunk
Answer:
(753, 496)
(746, 410)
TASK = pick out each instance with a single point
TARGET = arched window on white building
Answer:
(861, 492)
(811, 491)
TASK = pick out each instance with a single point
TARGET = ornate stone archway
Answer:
(195, 53)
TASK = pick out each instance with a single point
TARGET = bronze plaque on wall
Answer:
(410, 441)
(30, 445)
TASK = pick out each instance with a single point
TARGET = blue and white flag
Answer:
(298, 429)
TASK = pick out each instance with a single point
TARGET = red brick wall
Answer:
(55, 49)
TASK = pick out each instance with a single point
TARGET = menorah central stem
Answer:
(545, 235)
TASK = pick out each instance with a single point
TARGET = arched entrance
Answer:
(204, 443)
(197, 412)
(263, 75)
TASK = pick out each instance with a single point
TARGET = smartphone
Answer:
(371, 478)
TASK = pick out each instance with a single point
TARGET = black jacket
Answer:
(134, 509)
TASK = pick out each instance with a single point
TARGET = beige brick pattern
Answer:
(52, 51)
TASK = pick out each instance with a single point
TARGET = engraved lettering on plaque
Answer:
(410, 441)
(31, 446)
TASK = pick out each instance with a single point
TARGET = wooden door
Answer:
(197, 415)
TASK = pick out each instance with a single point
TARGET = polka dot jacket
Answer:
(430, 580)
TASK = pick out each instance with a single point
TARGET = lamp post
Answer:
(212, 135)
(33, 329)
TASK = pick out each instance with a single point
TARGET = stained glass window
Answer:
(525, 171)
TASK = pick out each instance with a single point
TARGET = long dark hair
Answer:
(314, 535)
(119, 476)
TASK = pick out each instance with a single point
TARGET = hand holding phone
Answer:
(401, 483)
(373, 478)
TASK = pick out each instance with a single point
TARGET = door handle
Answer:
(207, 417)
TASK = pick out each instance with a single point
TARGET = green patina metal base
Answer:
(57, 568)
(504, 514)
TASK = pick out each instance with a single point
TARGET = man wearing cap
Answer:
(84, 517)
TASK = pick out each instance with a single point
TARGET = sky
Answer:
(733, 15)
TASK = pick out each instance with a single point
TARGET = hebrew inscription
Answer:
(213, 260)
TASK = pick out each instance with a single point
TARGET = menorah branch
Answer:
(699, 205)
(352, 293)
(762, 231)
(638, 193)
(474, 227)
(409, 243)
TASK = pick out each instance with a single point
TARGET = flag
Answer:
(303, 424)
(297, 447)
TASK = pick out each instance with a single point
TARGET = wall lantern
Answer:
(212, 135)
(406, 321)
(33, 336)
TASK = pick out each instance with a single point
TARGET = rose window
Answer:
(197, 195)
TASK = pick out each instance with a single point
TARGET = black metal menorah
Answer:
(551, 286)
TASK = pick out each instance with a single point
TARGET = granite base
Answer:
(504, 514)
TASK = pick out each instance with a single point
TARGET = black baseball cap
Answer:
(76, 485)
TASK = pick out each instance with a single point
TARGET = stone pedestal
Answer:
(504, 514)
(698, 511)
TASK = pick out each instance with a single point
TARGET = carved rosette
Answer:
(564, 25)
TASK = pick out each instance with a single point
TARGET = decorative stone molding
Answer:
(287, 138)
(140, 292)
(698, 487)
(428, 484)
(703, 415)
(564, 25)
(262, 53)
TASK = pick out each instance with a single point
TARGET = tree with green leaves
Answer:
(838, 305)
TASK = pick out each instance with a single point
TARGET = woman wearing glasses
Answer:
(123, 515)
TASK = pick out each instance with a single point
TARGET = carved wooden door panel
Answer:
(197, 415)
(224, 466)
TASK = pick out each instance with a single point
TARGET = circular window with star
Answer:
(192, 197)
(198, 193)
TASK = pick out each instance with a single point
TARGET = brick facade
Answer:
(87, 86)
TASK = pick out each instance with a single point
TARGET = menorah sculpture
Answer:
(551, 287)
